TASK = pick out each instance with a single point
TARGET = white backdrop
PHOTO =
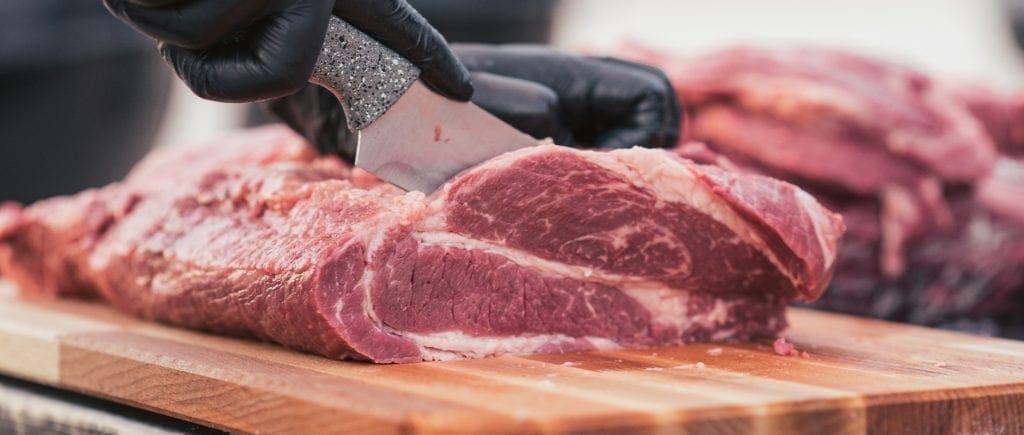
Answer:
(962, 38)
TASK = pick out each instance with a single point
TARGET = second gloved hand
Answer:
(249, 50)
(575, 100)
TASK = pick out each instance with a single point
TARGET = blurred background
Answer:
(83, 96)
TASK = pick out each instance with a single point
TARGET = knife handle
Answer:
(365, 76)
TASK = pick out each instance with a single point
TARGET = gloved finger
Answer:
(272, 59)
(314, 112)
(530, 107)
(189, 24)
(606, 102)
(398, 26)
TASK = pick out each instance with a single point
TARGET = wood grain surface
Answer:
(860, 376)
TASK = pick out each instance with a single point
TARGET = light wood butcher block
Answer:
(861, 375)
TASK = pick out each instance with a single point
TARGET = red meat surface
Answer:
(934, 211)
(544, 249)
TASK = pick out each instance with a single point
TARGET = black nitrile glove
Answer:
(249, 50)
(575, 100)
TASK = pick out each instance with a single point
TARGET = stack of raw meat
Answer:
(926, 174)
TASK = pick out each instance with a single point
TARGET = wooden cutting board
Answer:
(860, 375)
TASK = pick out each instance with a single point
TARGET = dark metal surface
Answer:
(28, 408)
(81, 97)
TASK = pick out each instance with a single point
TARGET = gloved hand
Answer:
(583, 101)
(249, 50)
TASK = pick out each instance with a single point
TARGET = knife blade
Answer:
(406, 134)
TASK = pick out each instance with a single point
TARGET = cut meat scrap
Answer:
(542, 250)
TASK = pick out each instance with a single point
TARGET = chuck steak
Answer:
(544, 249)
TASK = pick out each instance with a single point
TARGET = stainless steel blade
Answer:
(424, 139)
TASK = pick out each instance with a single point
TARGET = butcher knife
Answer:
(407, 134)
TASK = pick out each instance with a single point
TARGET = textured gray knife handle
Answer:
(366, 76)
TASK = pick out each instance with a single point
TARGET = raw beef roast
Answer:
(545, 249)
(935, 215)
